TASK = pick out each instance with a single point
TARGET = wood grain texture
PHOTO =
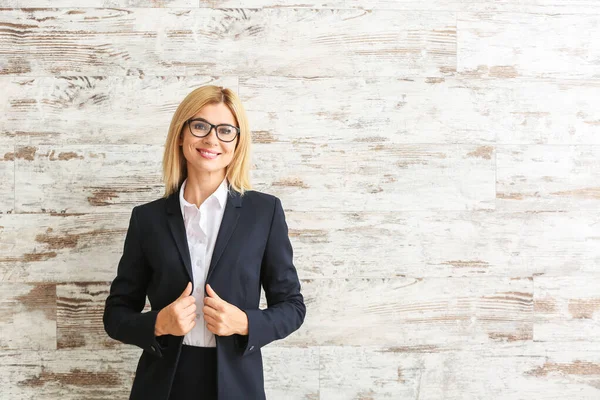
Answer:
(7, 180)
(61, 247)
(377, 177)
(460, 175)
(79, 247)
(155, 41)
(395, 311)
(517, 372)
(68, 374)
(383, 110)
(94, 109)
(567, 308)
(508, 45)
(423, 244)
(79, 310)
(27, 316)
(99, 3)
(76, 374)
(423, 109)
(465, 310)
(437, 163)
(523, 6)
(548, 178)
(291, 372)
(87, 175)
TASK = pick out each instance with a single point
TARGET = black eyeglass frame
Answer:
(237, 130)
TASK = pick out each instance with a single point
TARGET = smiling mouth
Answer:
(207, 154)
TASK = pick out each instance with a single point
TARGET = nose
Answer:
(212, 135)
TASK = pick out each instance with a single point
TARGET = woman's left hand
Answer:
(223, 318)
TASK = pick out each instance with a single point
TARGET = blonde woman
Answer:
(201, 253)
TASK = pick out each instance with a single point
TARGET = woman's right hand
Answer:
(179, 317)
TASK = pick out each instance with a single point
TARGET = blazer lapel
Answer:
(177, 228)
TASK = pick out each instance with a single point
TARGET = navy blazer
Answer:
(252, 249)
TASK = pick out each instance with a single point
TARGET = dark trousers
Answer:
(196, 374)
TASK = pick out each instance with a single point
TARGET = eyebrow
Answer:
(205, 120)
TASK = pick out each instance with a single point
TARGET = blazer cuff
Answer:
(148, 322)
(250, 343)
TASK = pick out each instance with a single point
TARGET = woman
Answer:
(201, 253)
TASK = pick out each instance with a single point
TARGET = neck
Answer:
(200, 185)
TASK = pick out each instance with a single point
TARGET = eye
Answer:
(200, 125)
(225, 130)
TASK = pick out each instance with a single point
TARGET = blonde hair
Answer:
(175, 164)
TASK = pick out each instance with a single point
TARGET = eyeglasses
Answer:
(200, 127)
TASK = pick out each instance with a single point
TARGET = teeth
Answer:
(208, 154)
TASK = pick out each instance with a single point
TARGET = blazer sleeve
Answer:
(279, 278)
(123, 319)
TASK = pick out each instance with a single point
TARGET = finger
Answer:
(219, 305)
(188, 310)
(189, 315)
(187, 303)
(185, 306)
(210, 311)
(212, 328)
(210, 302)
(191, 325)
(211, 319)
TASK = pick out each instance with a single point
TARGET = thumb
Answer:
(187, 291)
(211, 292)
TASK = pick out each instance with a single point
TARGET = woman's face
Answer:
(191, 145)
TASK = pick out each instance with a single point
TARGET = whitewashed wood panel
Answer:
(524, 6)
(27, 316)
(422, 110)
(416, 311)
(98, 3)
(79, 311)
(567, 308)
(555, 372)
(291, 373)
(108, 374)
(376, 177)
(134, 110)
(385, 311)
(509, 45)
(444, 244)
(68, 374)
(88, 178)
(67, 179)
(548, 178)
(95, 109)
(205, 41)
(368, 372)
(443, 222)
(61, 248)
(87, 247)
(7, 180)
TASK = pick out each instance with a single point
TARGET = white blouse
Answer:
(201, 226)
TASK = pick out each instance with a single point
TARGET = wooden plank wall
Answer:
(439, 164)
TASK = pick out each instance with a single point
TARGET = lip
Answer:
(208, 151)
(212, 155)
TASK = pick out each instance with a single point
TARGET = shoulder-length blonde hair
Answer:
(175, 164)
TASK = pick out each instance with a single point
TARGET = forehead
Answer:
(216, 114)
